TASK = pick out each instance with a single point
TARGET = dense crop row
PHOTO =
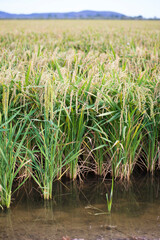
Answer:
(78, 101)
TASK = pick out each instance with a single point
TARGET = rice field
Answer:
(77, 97)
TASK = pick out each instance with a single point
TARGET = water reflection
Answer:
(80, 211)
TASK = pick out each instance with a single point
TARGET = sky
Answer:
(146, 8)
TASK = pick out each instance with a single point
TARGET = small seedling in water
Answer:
(109, 198)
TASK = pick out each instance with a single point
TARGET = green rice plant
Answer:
(76, 113)
(127, 143)
(151, 143)
(44, 164)
(99, 154)
(99, 148)
(75, 134)
(126, 150)
(109, 198)
(121, 132)
(12, 160)
(49, 158)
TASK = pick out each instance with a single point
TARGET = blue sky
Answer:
(147, 8)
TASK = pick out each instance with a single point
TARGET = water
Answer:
(80, 212)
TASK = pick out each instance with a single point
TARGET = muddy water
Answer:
(80, 212)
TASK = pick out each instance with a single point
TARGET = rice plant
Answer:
(12, 160)
(109, 198)
(50, 156)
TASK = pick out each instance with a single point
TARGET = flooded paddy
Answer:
(80, 212)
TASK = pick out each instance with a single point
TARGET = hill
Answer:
(87, 14)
